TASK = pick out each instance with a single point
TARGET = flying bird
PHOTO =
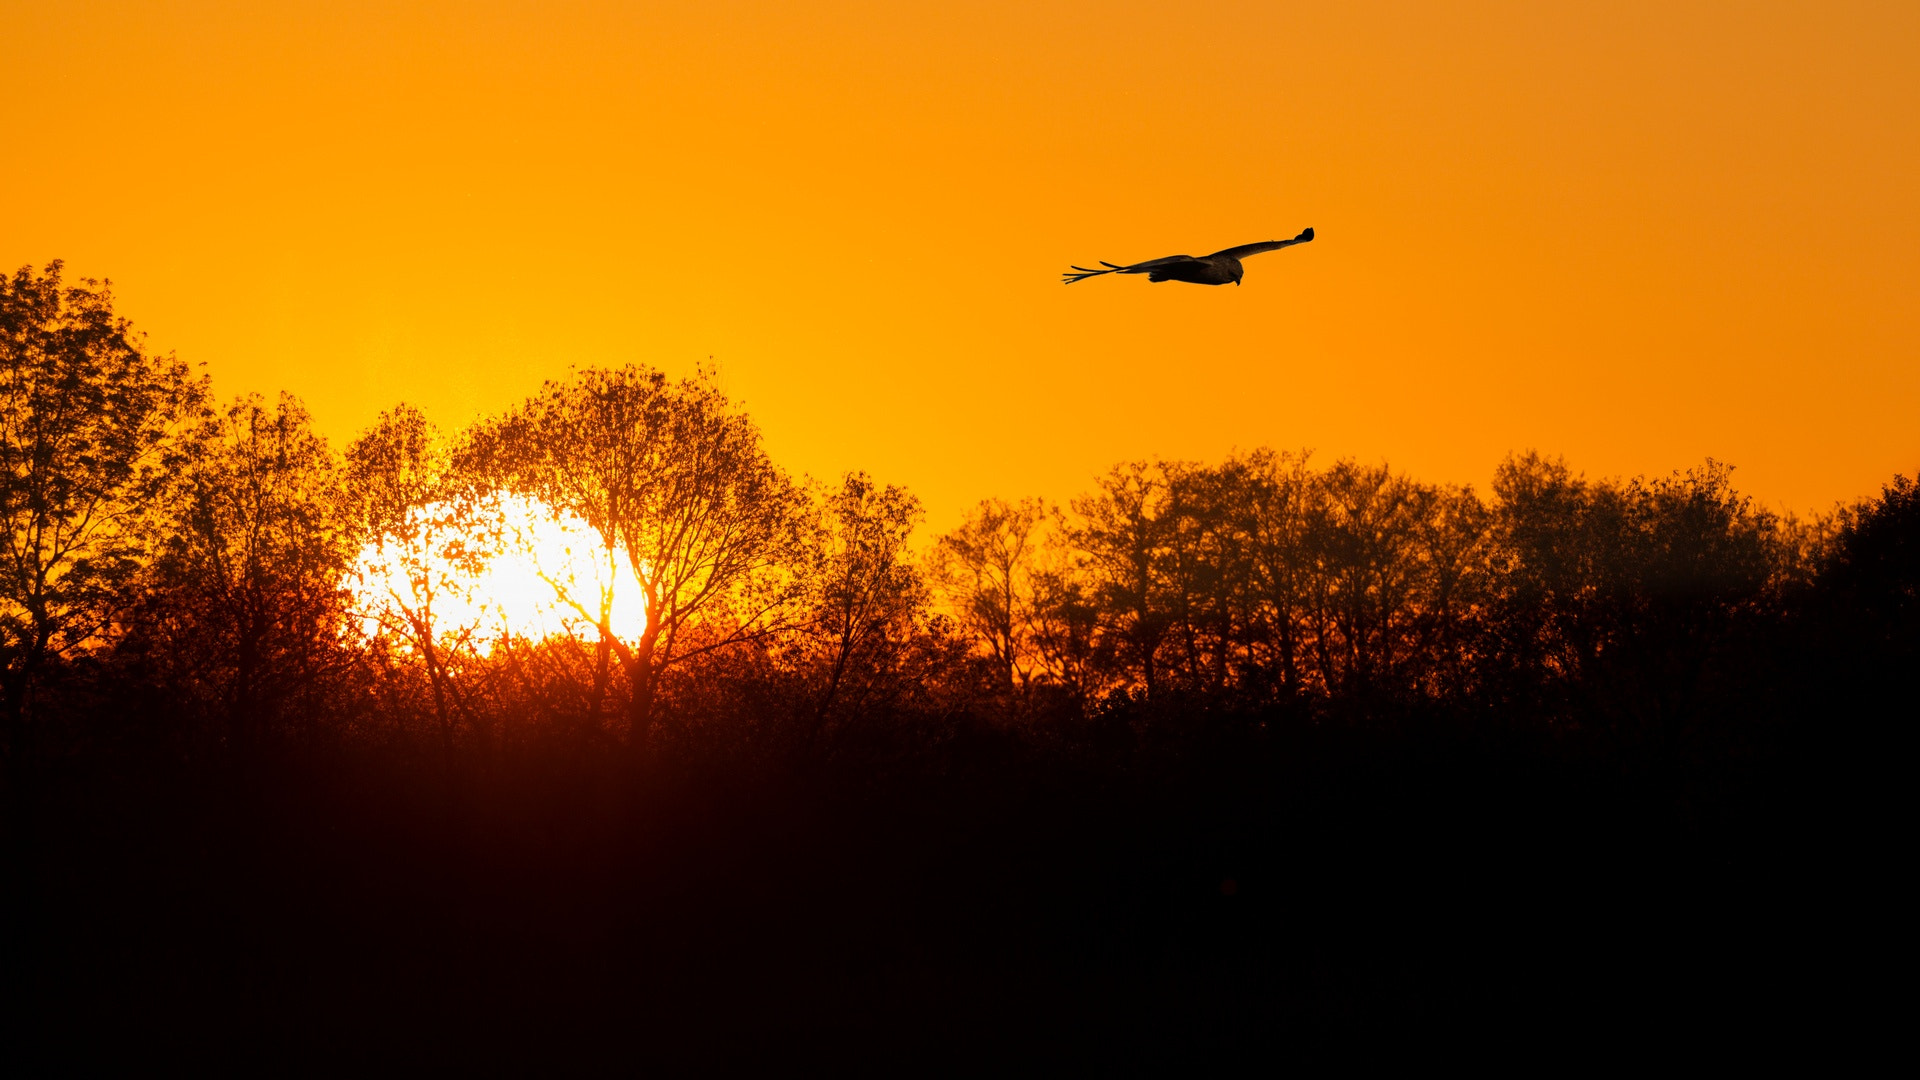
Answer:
(1215, 269)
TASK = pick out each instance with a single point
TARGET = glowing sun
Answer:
(506, 566)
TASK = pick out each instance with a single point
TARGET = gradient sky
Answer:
(1637, 234)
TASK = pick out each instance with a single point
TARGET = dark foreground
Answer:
(1281, 891)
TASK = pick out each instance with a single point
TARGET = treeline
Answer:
(225, 570)
(1271, 580)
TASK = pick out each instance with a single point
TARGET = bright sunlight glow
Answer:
(507, 567)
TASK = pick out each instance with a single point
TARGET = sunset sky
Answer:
(1637, 234)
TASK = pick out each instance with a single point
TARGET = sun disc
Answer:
(530, 572)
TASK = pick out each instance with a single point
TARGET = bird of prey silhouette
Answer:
(1215, 269)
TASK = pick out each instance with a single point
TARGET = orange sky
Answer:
(1638, 234)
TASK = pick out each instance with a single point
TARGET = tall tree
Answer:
(1365, 577)
(247, 602)
(676, 480)
(866, 594)
(1121, 529)
(1207, 571)
(985, 571)
(1550, 527)
(1700, 559)
(1064, 628)
(93, 430)
(1454, 545)
(424, 543)
(1864, 630)
(1279, 501)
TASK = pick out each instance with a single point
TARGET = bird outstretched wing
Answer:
(1083, 272)
(1245, 250)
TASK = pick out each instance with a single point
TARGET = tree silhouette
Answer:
(1861, 615)
(92, 432)
(1064, 622)
(1207, 573)
(863, 592)
(1875, 568)
(1455, 547)
(674, 477)
(1278, 499)
(985, 569)
(1121, 528)
(1617, 593)
(424, 543)
(245, 608)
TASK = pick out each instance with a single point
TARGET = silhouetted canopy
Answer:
(1216, 269)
